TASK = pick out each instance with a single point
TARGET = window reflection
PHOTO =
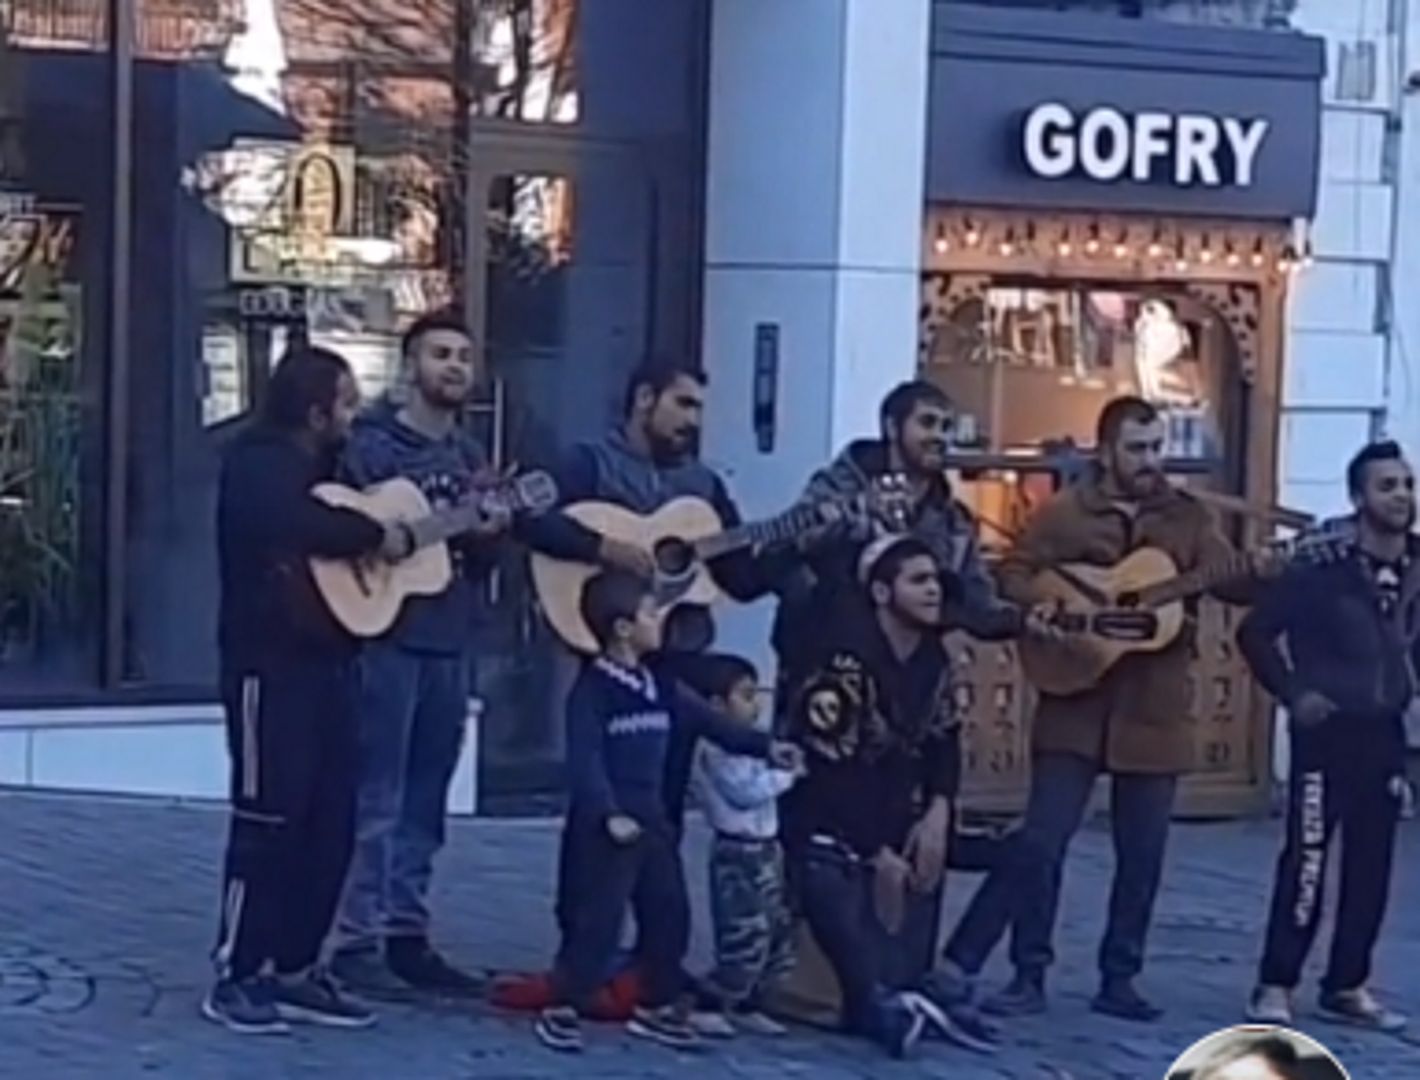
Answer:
(1031, 364)
(525, 58)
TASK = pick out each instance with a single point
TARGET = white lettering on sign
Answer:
(1106, 145)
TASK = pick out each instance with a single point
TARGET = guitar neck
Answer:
(780, 529)
(1200, 580)
(444, 524)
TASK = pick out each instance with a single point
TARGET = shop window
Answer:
(1031, 365)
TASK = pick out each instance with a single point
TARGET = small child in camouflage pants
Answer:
(753, 928)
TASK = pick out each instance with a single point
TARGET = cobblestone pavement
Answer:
(106, 917)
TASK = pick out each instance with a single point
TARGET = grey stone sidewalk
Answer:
(106, 917)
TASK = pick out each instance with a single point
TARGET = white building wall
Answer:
(1339, 387)
(814, 214)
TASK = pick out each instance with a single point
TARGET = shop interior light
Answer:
(1156, 245)
(940, 244)
(1287, 260)
(1205, 253)
(1092, 245)
(1065, 248)
(1008, 245)
(973, 234)
(1259, 256)
(1234, 259)
(1121, 247)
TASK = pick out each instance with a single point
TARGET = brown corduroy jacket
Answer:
(1138, 718)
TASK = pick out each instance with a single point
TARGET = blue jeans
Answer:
(413, 711)
(1023, 892)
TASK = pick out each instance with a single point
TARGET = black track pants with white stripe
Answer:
(1346, 772)
(292, 738)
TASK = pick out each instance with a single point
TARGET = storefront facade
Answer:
(1131, 220)
(942, 190)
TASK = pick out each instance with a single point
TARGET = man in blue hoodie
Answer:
(415, 681)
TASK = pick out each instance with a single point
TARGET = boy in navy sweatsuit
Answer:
(620, 847)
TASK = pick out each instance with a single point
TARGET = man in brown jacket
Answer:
(1134, 725)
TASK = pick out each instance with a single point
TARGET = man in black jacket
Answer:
(288, 690)
(1335, 644)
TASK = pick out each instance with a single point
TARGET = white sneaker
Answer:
(1270, 1005)
(757, 1023)
(712, 1025)
(1360, 1007)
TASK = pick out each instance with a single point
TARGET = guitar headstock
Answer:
(529, 492)
(1330, 541)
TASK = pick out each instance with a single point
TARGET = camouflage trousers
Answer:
(754, 932)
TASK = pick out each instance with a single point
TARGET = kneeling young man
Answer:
(869, 822)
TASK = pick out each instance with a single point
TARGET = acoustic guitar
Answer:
(1137, 605)
(366, 595)
(682, 537)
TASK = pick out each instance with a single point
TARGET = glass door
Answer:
(559, 289)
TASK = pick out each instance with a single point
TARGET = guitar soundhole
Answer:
(674, 558)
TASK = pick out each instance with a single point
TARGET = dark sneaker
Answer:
(1024, 995)
(1119, 999)
(949, 985)
(957, 1023)
(1361, 1009)
(669, 1026)
(365, 972)
(902, 1026)
(559, 1029)
(248, 1008)
(316, 999)
(414, 961)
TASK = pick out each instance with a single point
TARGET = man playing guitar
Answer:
(1133, 725)
(416, 678)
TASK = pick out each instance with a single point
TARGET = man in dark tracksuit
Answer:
(415, 680)
(288, 689)
(1346, 677)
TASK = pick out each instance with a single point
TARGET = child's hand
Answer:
(623, 830)
(787, 756)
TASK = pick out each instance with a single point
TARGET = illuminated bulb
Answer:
(1092, 246)
(1180, 265)
(1121, 251)
(1234, 259)
(1155, 250)
(973, 235)
(1258, 258)
(1007, 248)
(1205, 256)
(1065, 249)
(940, 244)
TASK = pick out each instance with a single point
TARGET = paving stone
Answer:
(107, 916)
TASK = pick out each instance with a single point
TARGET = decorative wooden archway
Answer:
(1241, 272)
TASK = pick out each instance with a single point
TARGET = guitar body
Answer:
(365, 596)
(1079, 662)
(668, 534)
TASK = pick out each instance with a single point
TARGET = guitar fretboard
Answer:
(780, 529)
(1238, 566)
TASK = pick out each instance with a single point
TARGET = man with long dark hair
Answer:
(1346, 677)
(288, 689)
